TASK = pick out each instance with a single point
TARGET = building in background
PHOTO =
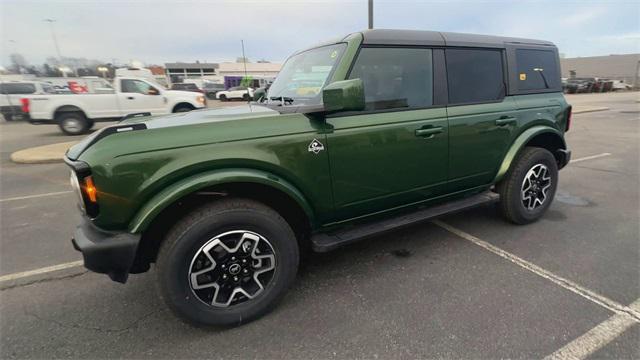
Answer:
(615, 67)
(176, 72)
(228, 73)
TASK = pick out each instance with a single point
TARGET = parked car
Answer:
(211, 89)
(579, 85)
(619, 85)
(11, 93)
(75, 114)
(235, 93)
(406, 126)
(186, 87)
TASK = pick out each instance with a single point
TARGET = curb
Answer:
(46, 154)
(591, 109)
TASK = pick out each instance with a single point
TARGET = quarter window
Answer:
(474, 75)
(395, 77)
(537, 70)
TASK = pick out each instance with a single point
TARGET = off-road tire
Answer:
(191, 233)
(73, 123)
(510, 188)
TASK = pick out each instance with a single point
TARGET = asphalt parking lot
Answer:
(469, 285)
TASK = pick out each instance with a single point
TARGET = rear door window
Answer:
(537, 70)
(17, 88)
(474, 75)
(395, 77)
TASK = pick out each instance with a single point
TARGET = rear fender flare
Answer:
(180, 189)
(520, 143)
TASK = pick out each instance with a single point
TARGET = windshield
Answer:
(303, 75)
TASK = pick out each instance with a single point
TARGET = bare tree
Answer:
(18, 62)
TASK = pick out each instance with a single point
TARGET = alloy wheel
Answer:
(232, 268)
(535, 187)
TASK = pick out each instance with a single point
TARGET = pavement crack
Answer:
(45, 280)
(91, 328)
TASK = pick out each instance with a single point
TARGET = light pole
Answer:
(370, 14)
(55, 40)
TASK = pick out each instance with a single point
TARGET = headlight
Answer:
(76, 187)
(201, 99)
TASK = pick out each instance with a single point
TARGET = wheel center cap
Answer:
(234, 269)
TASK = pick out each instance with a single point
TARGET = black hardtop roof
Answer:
(436, 38)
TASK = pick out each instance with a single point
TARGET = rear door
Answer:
(395, 152)
(482, 121)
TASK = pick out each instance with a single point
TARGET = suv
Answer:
(236, 92)
(404, 126)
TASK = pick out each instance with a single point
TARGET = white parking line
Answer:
(43, 270)
(596, 338)
(565, 283)
(35, 196)
(589, 157)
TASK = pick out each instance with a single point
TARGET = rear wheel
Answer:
(211, 95)
(246, 97)
(528, 189)
(227, 263)
(73, 123)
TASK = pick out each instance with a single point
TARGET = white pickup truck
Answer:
(75, 114)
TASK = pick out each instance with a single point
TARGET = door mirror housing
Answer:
(345, 95)
(153, 91)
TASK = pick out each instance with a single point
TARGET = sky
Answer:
(155, 32)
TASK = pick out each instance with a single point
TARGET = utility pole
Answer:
(55, 40)
(370, 14)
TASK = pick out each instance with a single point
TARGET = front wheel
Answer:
(529, 187)
(223, 97)
(227, 263)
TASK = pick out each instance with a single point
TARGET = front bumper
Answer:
(106, 252)
(564, 157)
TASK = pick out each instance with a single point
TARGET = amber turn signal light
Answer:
(90, 189)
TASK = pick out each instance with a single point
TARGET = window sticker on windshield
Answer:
(523, 76)
(334, 53)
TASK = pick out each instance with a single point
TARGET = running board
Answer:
(329, 241)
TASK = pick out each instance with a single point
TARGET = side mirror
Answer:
(152, 91)
(345, 95)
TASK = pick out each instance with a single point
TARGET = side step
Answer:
(326, 242)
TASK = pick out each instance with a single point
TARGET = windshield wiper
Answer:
(283, 99)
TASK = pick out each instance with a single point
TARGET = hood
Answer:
(178, 120)
(203, 116)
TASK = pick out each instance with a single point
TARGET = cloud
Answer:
(167, 31)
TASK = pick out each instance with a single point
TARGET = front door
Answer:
(395, 152)
(139, 96)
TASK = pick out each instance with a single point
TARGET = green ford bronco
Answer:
(364, 134)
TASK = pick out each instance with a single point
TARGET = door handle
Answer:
(505, 120)
(429, 132)
(130, 98)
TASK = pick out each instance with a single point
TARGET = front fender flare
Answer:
(178, 190)
(520, 143)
